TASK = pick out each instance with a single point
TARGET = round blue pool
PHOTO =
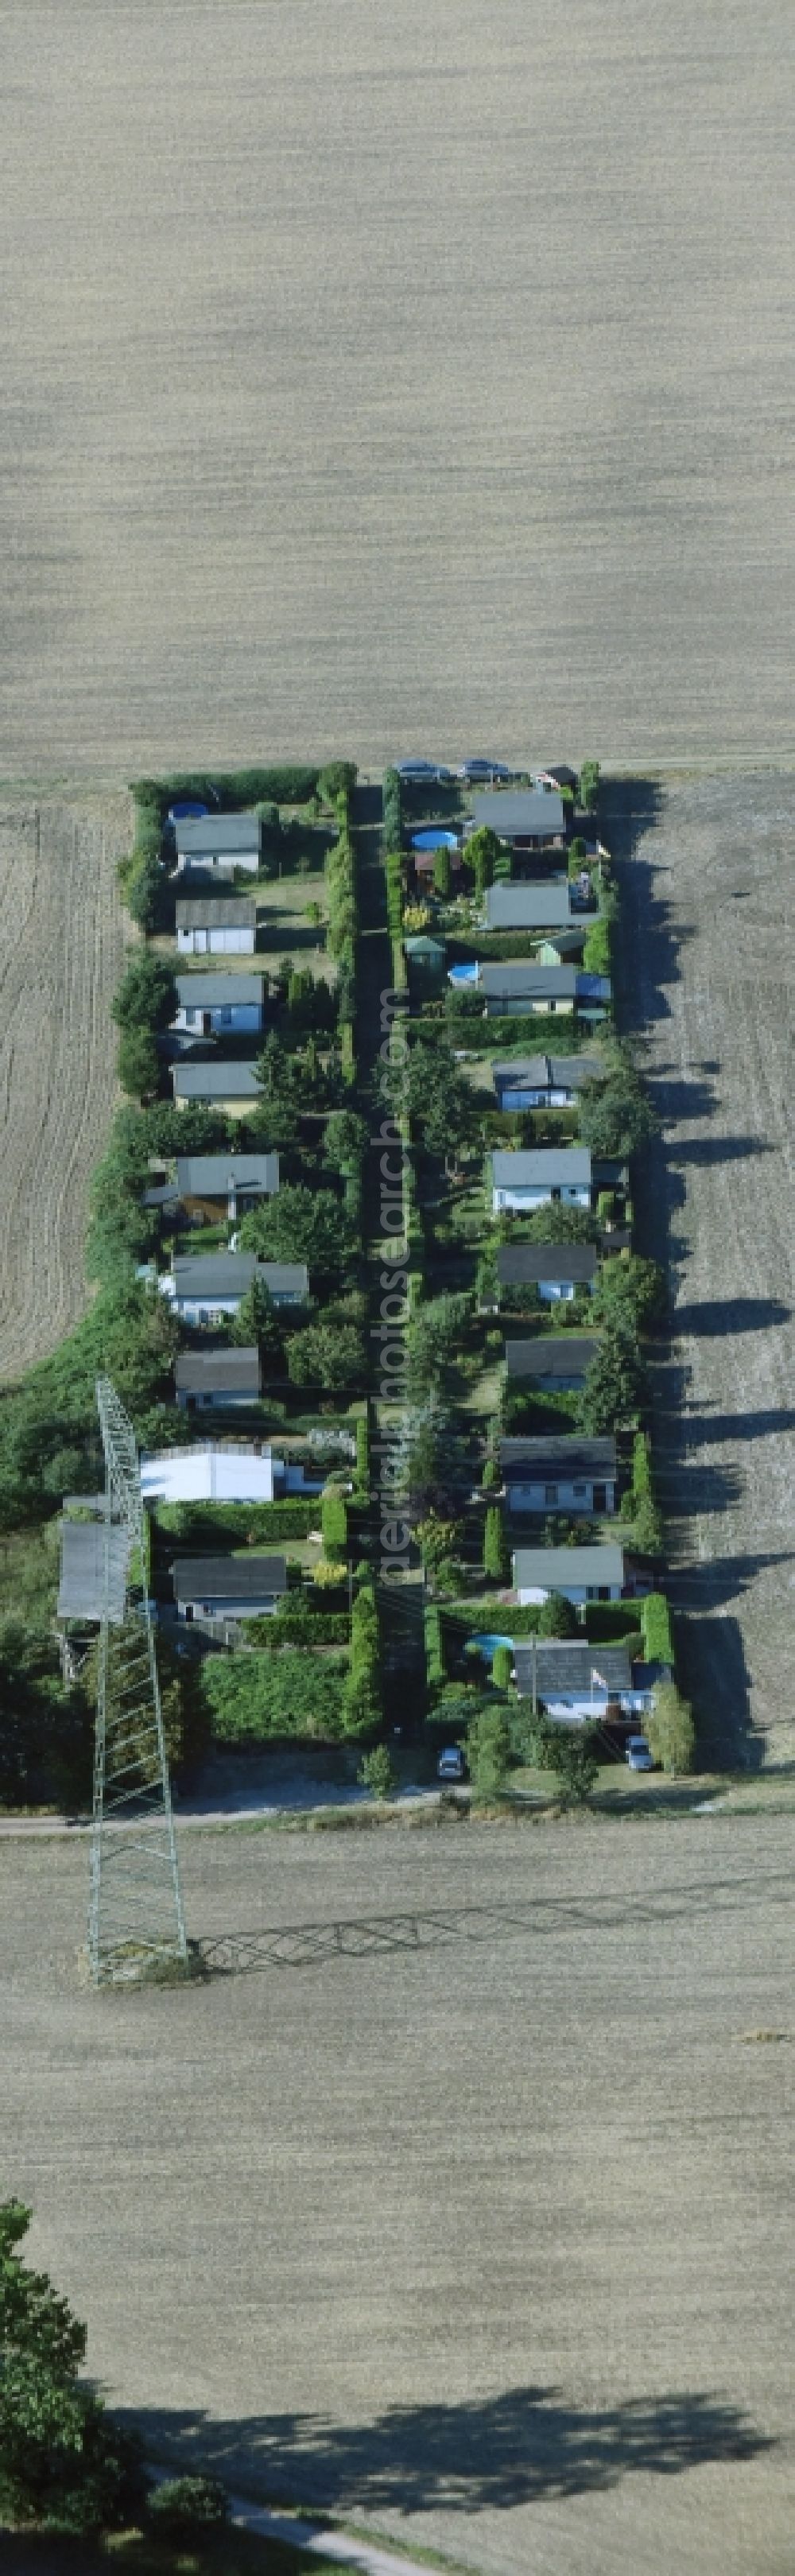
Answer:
(187, 810)
(487, 1646)
(434, 840)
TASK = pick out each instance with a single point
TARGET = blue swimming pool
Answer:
(434, 840)
(487, 1646)
(462, 975)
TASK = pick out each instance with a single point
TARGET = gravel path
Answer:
(711, 958)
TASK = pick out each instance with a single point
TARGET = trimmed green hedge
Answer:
(238, 1521)
(655, 1620)
(286, 783)
(434, 1648)
(334, 1524)
(393, 810)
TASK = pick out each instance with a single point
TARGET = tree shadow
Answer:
(695, 1488)
(714, 1677)
(711, 1317)
(701, 1151)
(499, 2453)
(721, 1430)
(676, 1099)
(713, 1580)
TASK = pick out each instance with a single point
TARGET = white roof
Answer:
(208, 1475)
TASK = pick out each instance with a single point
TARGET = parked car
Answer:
(473, 770)
(451, 1764)
(637, 1754)
(424, 772)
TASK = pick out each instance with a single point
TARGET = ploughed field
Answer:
(465, 2211)
(62, 936)
(396, 379)
(710, 969)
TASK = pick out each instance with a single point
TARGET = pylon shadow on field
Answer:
(502, 2452)
(369, 1936)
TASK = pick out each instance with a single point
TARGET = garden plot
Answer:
(710, 957)
(466, 2211)
(62, 941)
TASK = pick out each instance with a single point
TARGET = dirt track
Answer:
(711, 955)
(395, 378)
(467, 2213)
(62, 936)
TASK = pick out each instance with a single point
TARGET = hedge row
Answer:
(393, 810)
(285, 783)
(239, 1521)
(334, 1524)
(655, 1620)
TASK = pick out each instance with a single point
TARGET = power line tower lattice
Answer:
(135, 1923)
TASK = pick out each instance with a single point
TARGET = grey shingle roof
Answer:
(526, 980)
(224, 1372)
(537, 1461)
(561, 1355)
(226, 832)
(528, 907)
(217, 912)
(81, 1592)
(210, 992)
(522, 1264)
(542, 1166)
(562, 1665)
(212, 1175)
(547, 1072)
(552, 1568)
(229, 1274)
(229, 1578)
(215, 1081)
(520, 814)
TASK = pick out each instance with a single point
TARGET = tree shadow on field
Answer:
(714, 1675)
(702, 1151)
(711, 1317)
(720, 1430)
(503, 2452)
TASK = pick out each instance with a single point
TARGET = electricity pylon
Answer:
(135, 1921)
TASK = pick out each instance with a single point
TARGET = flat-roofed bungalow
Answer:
(546, 906)
(228, 1587)
(217, 844)
(559, 1475)
(582, 1574)
(221, 1084)
(516, 990)
(213, 1186)
(529, 818)
(217, 1381)
(559, 1360)
(558, 1173)
(555, 1270)
(544, 1081)
(205, 1286)
(210, 1006)
(217, 925)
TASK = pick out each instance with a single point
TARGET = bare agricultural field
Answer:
(711, 968)
(389, 378)
(62, 938)
(466, 2212)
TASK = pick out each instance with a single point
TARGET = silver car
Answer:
(637, 1754)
